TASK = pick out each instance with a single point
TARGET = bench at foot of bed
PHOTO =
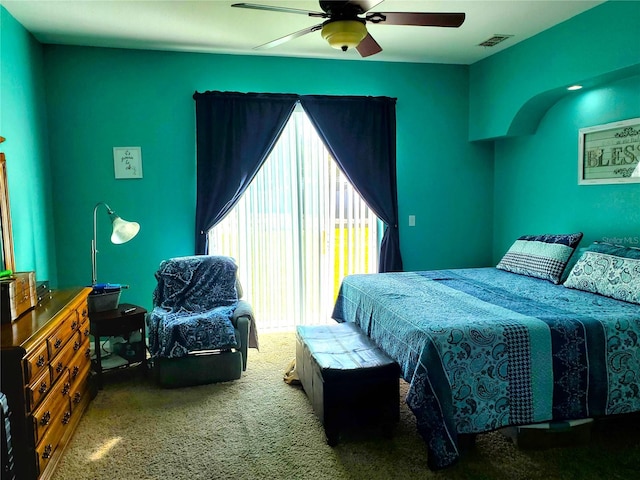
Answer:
(347, 378)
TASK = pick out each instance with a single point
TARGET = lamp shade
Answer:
(123, 231)
(344, 34)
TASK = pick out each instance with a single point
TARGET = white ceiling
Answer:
(214, 26)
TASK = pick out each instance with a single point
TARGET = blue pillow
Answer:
(617, 250)
(609, 270)
(540, 256)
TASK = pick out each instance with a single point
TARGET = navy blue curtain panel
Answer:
(360, 133)
(235, 132)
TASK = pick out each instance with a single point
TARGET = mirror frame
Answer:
(5, 217)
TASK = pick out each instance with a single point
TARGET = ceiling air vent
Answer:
(493, 41)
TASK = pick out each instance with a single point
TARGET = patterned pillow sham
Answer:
(612, 275)
(540, 256)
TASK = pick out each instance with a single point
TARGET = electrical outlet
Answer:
(412, 220)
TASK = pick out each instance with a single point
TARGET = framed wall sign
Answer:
(609, 153)
(127, 162)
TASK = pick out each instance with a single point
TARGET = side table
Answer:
(124, 319)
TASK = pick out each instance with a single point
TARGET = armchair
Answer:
(199, 329)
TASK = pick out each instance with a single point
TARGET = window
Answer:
(297, 231)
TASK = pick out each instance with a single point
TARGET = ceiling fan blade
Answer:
(291, 36)
(418, 19)
(255, 6)
(368, 46)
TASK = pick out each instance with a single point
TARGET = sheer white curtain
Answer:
(297, 231)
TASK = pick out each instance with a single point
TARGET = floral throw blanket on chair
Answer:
(193, 303)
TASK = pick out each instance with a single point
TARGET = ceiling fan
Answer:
(345, 26)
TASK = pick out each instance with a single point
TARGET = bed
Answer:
(485, 348)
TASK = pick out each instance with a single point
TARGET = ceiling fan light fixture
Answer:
(344, 34)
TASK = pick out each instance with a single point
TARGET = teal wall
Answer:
(511, 90)
(518, 98)
(23, 124)
(536, 177)
(98, 99)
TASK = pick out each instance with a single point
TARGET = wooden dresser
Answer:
(45, 367)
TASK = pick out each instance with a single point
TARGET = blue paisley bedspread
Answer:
(484, 348)
(193, 302)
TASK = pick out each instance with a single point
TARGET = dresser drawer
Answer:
(85, 328)
(80, 388)
(80, 360)
(49, 443)
(37, 362)
(61, 335)
(61, 362)
(79, 340)
(56, 401)
(83, 313)
(38, 389)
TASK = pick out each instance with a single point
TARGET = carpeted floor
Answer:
(261, 428)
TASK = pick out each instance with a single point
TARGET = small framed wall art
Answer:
(127, 162)
(609, 153)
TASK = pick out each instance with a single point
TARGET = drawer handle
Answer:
(76, 346)
(87, 332)
(66, 417)
(87, 353)
(59, 367)
(74, 325)
(46, 454)
(75, 372)
(40, 361)
(46, 418)
(57, 343)
(66, 388)
(85, 312)
(77, 397)
(43, 388)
